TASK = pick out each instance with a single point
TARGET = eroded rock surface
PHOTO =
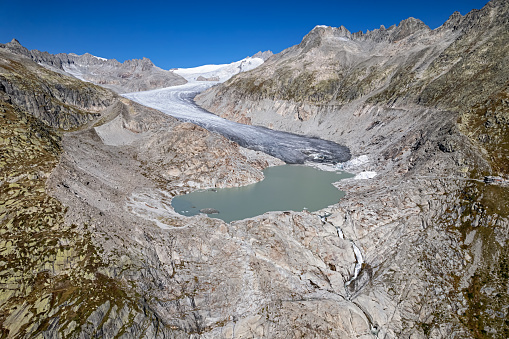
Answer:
(90, 246)
(129, 76)
(432, 233)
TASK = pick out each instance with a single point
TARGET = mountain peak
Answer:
(263, 55)
(14, 42)
(412, 25)
(453, 21)
(408, 27)
(321, 33)
(15, 47)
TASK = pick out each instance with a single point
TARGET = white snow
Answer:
(321, 26)
(355, 162)
(74, 71)
(322, 166)
(199, 69)
(355, 165)
(103, 59)
(365, 175)
(222, 72)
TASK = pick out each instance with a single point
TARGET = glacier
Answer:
(178, 102)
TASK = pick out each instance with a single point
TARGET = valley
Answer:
(178, 102)
(90, 245)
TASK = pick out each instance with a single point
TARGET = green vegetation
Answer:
(48, 269)
(58, 100)
(487, 125)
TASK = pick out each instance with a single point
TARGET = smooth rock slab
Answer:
(209, 211)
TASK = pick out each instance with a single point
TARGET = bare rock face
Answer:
(247, 278)
(201, 78)
(59, 100)
(91, 247)
(432, 234)
(263, 55)
(130, 76)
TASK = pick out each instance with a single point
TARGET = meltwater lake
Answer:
(285, 188)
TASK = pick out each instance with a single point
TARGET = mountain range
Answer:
(90, 246)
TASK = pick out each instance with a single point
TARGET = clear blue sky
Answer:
(193, 33)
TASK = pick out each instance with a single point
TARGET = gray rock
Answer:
(209, 211)
(129, 76)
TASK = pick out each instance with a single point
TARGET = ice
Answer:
(222, 72)
(365, 175)
(355, 162)
(177, 101)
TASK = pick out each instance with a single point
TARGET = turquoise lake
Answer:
(285, 188)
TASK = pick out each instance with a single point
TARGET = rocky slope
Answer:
(334, 75)
(429, 108)
(58, 100)
(129, 76)
(90, 246)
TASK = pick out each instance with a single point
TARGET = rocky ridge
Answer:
(129, 76)
(89, 236)
(428, 107)
(58, 100)
(337, 75)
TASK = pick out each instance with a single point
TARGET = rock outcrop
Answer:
(429, 108)
(129, 76)
(90, 246)
(263, 55)
(59, 100)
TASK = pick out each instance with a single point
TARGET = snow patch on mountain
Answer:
(73, 70)
(102, 59)
(365, 175)
(220, 73)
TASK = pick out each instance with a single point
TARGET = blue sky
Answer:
(193, 33)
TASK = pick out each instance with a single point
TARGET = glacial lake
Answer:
(285, 188)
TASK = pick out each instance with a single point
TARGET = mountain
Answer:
(59, 100)
(333, 74)
(223, 72)
(129, 76)
(427, 110)
(91, 247)
(81, 253)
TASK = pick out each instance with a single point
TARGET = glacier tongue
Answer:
(177, 101)
(220, 72)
